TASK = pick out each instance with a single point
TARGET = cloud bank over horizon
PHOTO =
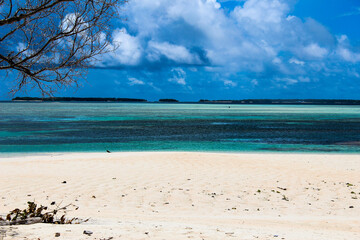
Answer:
(256, 42)
(239, 48)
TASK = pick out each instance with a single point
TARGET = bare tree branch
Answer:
(23, 13)
(51, 43)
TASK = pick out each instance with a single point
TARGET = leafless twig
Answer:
(51, 43)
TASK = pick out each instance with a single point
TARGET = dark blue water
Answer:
(69, 127)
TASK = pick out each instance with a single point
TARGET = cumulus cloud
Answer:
(348, 55)
(259, 39)
(172, 52)
(214, 3)
(344, 50)
(261, 11)
(250, 36)
(179, 76)
(135, 81)
(230, 83)
(70, 21)
(296, 61)
(128, 50)
(315, 50)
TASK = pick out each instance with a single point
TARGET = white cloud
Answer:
(288, 81)
(292, 81)
(315, 50)
(352, 13)
(230, 83)
(257, 36)
(173, 52)
(290, 17)
(135, 81)
(128, 50)
(151, 84)
(71, 21)
(348, 55)
(296, 61)
(179, 76)
(276, 60)
(344, 50)
(21, 47)
(342, 39)
(248, 38)
(254, 82)
(262, 11)
(214, 3)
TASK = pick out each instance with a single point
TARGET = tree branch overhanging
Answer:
(51, 43)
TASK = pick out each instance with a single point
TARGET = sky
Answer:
(223, 49)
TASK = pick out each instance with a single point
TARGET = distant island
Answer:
(202, 101)
(285, 101)
(168, 100)
(75, 99)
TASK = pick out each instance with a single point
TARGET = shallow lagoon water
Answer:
(85, 127)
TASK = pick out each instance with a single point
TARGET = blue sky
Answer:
(208, 49)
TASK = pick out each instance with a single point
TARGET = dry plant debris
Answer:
(39, 214)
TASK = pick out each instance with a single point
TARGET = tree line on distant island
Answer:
(202, 101)
(286, 101)
(77, 99)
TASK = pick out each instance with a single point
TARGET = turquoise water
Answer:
(68, 127)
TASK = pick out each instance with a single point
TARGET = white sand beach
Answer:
(188, 195)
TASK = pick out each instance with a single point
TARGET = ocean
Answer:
(30, 127)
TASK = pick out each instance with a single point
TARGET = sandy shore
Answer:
(188, 195)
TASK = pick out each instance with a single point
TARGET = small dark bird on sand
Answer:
(108, 151)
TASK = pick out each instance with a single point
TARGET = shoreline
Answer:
(52, 154)
(188, 195)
